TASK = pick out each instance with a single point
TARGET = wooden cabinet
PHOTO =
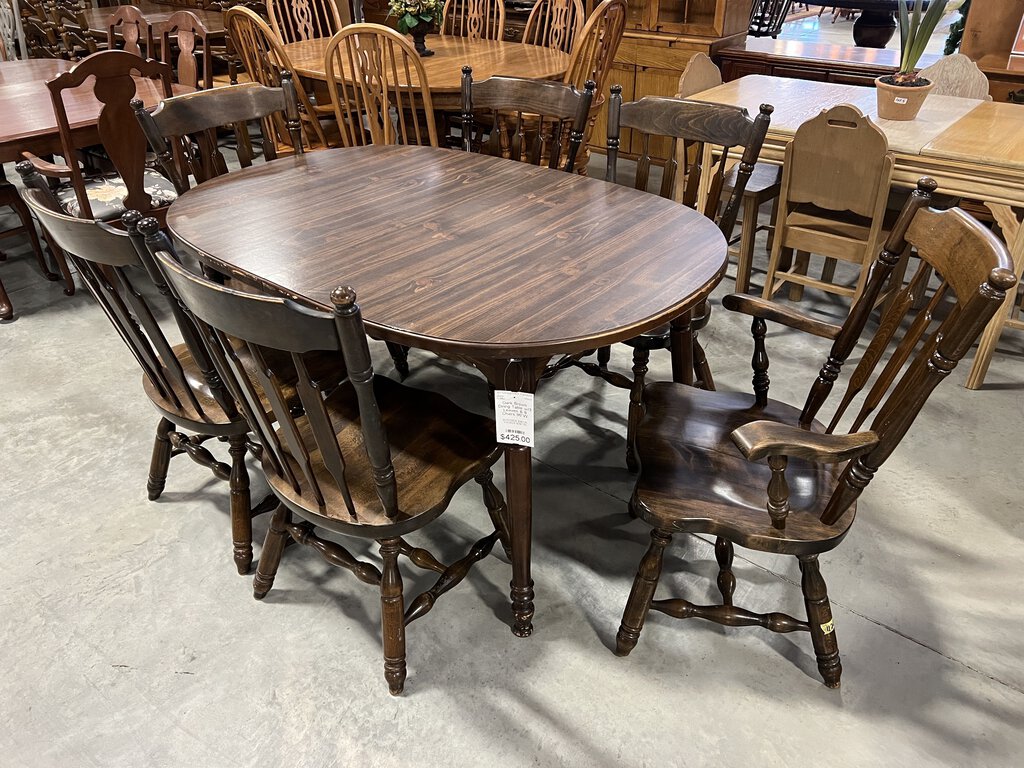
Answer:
(661, 37)
(989, 36)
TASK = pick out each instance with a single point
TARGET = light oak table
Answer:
(444, 68)
(972, 148)
(496, 263)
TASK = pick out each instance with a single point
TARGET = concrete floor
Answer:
(129, 640)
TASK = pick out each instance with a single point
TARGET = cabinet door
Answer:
(624, 75)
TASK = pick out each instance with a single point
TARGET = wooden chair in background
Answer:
(295, 20)
(686, 122)
(137, 35)
(957, 75)
(372, 459)
(179, 379)
(835, 185)
(540, 117)
(369, 68)
(41, 37)
(70, 26)
(475, 19)
(555, 24)
(184, 30)
(768, 476)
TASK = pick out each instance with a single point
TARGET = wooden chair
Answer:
(133, 28)
(264, 60)
(957, 75)
(133, 187)
(41, 37)
(763, 185)
(186, 31)
(295, 20)
(379, 88)
(179, 379)
(768, 476)
(181, 130)
(835, 183)
(687, 122)
(475, 19)
(371, 459)
(554, 24)
(535, 113)
(72, 29)
(592, 57)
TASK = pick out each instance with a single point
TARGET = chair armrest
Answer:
(44, 168)
(759, 439)
(755, 306)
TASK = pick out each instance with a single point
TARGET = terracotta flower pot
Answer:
(900, 102)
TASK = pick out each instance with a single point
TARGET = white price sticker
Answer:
(900, 100)
(513, 414)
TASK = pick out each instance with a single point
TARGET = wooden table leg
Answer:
(681, 347)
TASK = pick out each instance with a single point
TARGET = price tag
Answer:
(513, 412)
(900, 100)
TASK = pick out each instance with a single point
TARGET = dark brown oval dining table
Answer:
(497, 263)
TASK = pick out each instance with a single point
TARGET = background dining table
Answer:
(499, 264)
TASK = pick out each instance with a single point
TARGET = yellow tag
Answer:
(829, 627)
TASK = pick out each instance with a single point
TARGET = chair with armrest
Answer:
(179, 379)
(768, 476)
(370, 459)
(691, 124)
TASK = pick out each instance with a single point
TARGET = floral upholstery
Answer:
(107, 194)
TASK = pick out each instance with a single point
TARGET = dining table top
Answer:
(451, 53)
(457, 253)
(157, 14)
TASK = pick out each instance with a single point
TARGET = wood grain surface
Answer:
(990, 133)
(453, 252)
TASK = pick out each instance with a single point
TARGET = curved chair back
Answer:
(295, 20)
(555, 24)
(957, 75)
(188, 31)
(134, 29)
(475, 19)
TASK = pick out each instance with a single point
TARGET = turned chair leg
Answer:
(726, 579)
(640, 596)
(6, 308)
(819, 617)
(392, 614)
(496, 509)
(701, 369)
(604, 355)
(161, 460)
(400, 356)
(270, 555)
(241, 504)
(636, 406)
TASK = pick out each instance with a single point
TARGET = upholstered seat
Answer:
(107, 194)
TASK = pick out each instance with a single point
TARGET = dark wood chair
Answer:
(133, 186)
(70, 26)
(134, 30)
(193, 63)
(181, 130)
(371, 459)
(530, 120)
(691, 124)
(179, 379)
(771, 477)
(41, 37)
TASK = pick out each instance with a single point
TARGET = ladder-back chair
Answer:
(295, 20)
(369, 459)
(769, 476)
(475, 19)
(555, 24)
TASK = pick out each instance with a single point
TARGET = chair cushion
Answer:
(693, 477)
(106, 195)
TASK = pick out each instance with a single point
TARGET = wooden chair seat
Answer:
(844, 224)
(107, 195)
(763, 185)
(722, 493)
(214, 413)
(428, 434)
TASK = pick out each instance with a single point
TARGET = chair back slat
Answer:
(379, 88)
(187, 30)
(297, 20)
(475, 19)
(554, 24)
(134, 29)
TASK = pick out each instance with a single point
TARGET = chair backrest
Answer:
(594, 51)
(265, 60)
(110, 265)
(270, 329)
(181, 130)
(529, 118)
(554, 24)
(838, 161)
(695, 124)
(66, 16)
(911, 350)
(379, 88)
(188, 31)
(957, 75)
(8, 30)
(113, 86)
(701, 73)
(41, 37)
(294, 20)
(475, 19)
(135, 30)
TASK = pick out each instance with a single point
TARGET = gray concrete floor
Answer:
(129, 640)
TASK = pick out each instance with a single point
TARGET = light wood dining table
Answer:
(500, 264)
(973, 149)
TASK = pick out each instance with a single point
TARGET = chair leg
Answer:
(726, 579)
(400, 356)
(392, 613)
(604, 355)
(161, 460)
(497, 510)
(636, 406)
(701, 369)
(6, 308)
(241, 504)
(270, 555)
(801, 262)
(639, 602)
(61, 262)
(819, 617)
(746, 254)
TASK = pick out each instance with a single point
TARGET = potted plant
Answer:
(901, 95)
(416, 18)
